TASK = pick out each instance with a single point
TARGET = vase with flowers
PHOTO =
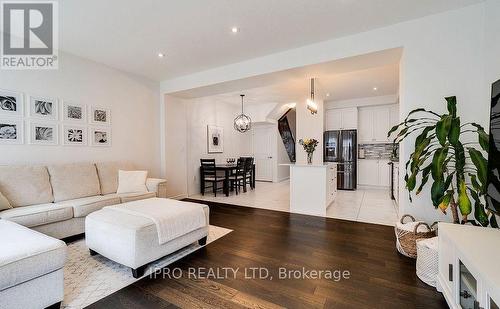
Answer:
(309, 145)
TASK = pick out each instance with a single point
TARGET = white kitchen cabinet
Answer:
(341, 119)
(375, 122)
(384, 173)
(368, 172)
(374, 173)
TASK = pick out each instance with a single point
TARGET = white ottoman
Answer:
(132, 240)
(31, 268)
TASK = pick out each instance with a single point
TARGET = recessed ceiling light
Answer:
(235, 30)
(375, 88)
(328, 94)
(161, 55)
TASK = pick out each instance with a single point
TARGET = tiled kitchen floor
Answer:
(363, 205)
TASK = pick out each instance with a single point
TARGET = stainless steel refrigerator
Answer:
(341, 147)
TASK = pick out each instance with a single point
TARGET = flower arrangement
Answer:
(309, 145)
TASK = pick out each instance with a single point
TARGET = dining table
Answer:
(227, 168)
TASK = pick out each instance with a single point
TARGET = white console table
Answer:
(469, 266)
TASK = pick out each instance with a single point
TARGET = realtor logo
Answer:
(29, 35)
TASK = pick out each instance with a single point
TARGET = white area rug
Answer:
(90, 278)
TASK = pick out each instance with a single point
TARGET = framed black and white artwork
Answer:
(73, 112)
(74, 135)
(44, 133)
(215, 139)
(100, 115)
(43, 108)
(100, 136)
(11, 131)
(11, 103)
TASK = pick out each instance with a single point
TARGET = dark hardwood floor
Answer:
(379, 276)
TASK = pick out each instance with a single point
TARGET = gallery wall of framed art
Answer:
(44, 120)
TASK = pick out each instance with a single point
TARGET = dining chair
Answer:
(209, 174)
(249, 161)
(237, 178)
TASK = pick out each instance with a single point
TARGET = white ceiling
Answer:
(195, 35)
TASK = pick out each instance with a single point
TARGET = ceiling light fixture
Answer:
(161, 55)
(312, 106)
(328, 94)
(375, 88)
(242, 123)
(235, 30)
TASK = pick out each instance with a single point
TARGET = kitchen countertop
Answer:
(325, 164)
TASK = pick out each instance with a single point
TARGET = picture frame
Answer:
(11, 103)
(73, 112)
(44, 133)
(74, 135)
(11, 131)
(100, 136)
(215, 139)
(43, 108)
(100, 115)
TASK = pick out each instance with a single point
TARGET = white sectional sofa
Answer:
(55, 199)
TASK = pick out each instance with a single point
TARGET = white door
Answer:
(263, 152)
(333, 119)
(349, 118)
(382, 123)
(365, 127)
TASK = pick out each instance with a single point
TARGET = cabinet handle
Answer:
(450, 272)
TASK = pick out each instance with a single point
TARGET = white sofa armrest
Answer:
(157, 185)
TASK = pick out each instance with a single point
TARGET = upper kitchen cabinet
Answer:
(375, 122)
(341, 119)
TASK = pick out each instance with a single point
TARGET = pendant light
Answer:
(311, 104)
(242, 123)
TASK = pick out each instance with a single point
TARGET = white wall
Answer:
(443, 54)
(134, 112)
(368, 101)
(207, 111)
(176, 134)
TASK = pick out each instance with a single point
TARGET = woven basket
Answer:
(408, 233)
(427, 260)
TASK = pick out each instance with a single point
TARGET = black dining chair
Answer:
(237, 178)
(209, 174)
(249, 161)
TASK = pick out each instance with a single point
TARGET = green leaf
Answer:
(475, 184)
(484, 139)
(452, 105)
(393, 129)
(437, 192)
(445, 202)
(437, 164)
(448, 180)
(464, 203)
(481, 165)
(479, 212)
(422, 136)
(454, 133)
(443, 129)
(425, 177)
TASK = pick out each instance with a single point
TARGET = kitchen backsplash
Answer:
(376, 151)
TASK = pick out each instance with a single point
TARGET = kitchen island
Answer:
(313, 187)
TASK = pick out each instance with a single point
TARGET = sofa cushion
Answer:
(129, 197)
(84, 206)
(4, 203)
(108, 174)
(27, 254)
(132, 181)
(72, 181)
(25, 185)
(35, 215)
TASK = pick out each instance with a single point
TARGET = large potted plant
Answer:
(458, 168)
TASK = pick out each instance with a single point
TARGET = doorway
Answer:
(263, 142)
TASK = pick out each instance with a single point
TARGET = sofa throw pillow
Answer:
(132, 181)
(4, 203)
